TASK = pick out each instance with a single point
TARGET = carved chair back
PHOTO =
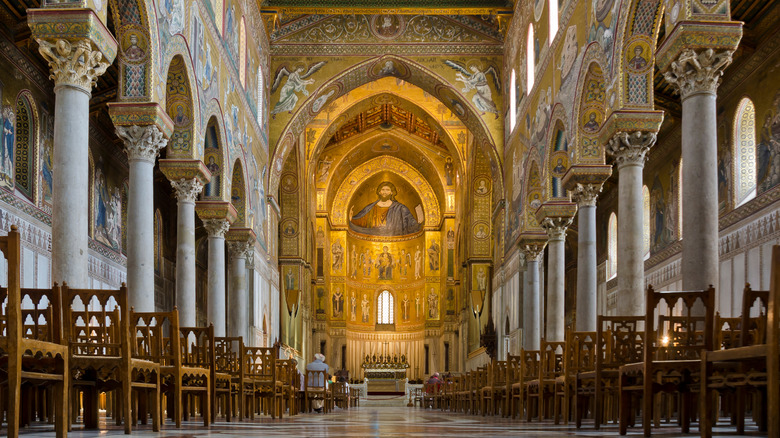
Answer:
(227, 351)
(754, 328)
(680, 336)
(95, 321)
(551, 360)
(197, 346)
(154, 337)
(580, 352)
(260, 364)
(620, 340)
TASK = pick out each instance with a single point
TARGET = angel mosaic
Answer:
(477, 80)
(296, 83)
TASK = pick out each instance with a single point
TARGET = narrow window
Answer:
(745, 152)
(385, 308)
(530, 59)
(612, 240)
(553, 21)
(512, 102)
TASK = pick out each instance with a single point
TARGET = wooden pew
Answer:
(194, 371)
(672, 357)
(32, 348)
(620, 340)
(542, 387)
(754, 365)
(579, 356)
(108, 352)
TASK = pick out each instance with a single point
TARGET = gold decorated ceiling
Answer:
(386, 116)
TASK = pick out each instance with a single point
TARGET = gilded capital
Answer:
(142, 142)
(698, 70)
(187, 190)
(216, 227)
(556, 227)
(532, 251)
(631, 148)
(75, 64)
(585, 195)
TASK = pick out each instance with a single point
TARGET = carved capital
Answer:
(239, 249)
(631, 148)
(698, 71)
(556, 227)
(77, 64)
(187, 190)
(532, 251)
(216, 227)
(142, 142)
(585, 195)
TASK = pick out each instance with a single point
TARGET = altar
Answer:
(385, 374)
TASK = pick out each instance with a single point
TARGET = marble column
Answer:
(237, 297)
(142, 145)
(585, 196)
(187, 191)
(696, 75)
(556, 277)
(75, 67)
(216, 229)
(532, 321)
(630, 152)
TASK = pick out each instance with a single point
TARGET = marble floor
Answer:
(372, 420)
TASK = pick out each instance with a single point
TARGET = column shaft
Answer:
(531, 305)
(70, 194)
(699, 192)
(238, 296)
(216, 283)
(140, 228)
(586, 269)
(185, 263)
(630, 262)
(555, 292)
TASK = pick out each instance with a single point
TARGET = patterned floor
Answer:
(373, 421)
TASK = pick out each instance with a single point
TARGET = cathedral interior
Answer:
(406, 187)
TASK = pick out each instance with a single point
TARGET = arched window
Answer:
(23, 158)
(745, 152)
(553, 21)
(612, 245)
(646, 219)
(512, 101)
(384, 309)
(260, 96)
(530, 60)
(242, 52)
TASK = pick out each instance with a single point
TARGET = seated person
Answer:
(434, 378)
(317, 381)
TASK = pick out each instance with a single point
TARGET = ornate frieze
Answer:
(142, 142)
(187, 190)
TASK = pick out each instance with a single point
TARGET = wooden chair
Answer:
(755, 365)
(108, 353)
(579, 356)
(286, 372)
(340, 391)
(493, 394)
(192, 375)
(619, 340)
(541, 389)
(227, 378)
(524, 368)
(265, 390)
(672, 357)
(32, 348)
(461, 392)
(431, 395)
(316, 384)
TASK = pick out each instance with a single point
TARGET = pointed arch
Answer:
(214, 158)
(368, 71)
(137, 54)
(385, 307)
(238, 193)
(179, 104)
(534, 190)
(640, 24)
(590, 112)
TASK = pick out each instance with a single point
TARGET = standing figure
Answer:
(338, 255)
(353, 307)
(481, 279)
(433, 305)
(353, 260)
(367, 262)
(434, 255)
(417, 305)
(402, 264)
(364, 305)
(338, 303)
(405, 308)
